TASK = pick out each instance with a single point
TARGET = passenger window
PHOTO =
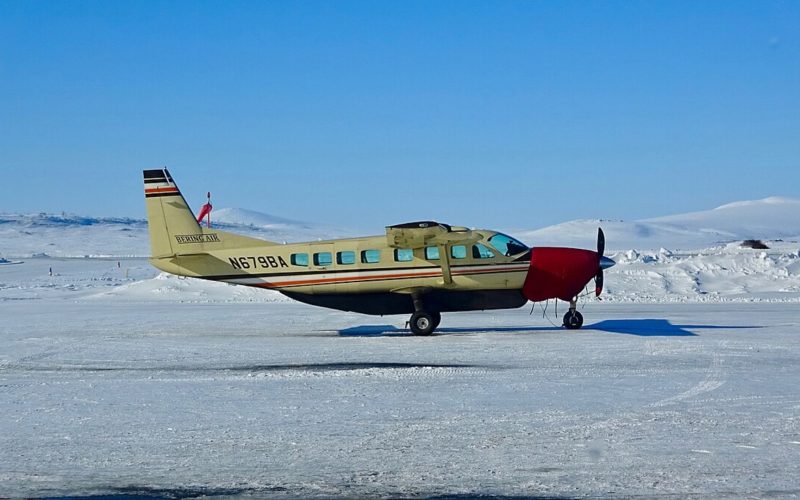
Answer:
(481, 252)
(432, 253)
(403, 254)
(346, 257)
(458, 251)
(370, 256)
(299, 259)
(323, 259)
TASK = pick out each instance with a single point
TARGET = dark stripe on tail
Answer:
(158, 195)
(154, 174)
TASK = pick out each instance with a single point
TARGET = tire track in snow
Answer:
(313, 370)
(713, 380)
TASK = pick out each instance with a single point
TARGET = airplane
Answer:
(423, 268)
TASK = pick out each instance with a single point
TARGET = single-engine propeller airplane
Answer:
(419, 268)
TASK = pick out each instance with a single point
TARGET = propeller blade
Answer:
(601, 242)
(602, 262)
(598, 282)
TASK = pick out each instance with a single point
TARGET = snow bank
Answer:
(167, 287)
(718, 274)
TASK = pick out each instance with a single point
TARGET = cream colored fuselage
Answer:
(323, 267)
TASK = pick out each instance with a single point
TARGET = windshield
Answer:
(507, 245)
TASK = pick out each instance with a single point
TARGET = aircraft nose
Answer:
(605, 262)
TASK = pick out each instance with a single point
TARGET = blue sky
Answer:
(362, 114)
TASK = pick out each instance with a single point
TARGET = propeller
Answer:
(602, 262)
(601, 242)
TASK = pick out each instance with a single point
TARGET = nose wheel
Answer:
(573, 320)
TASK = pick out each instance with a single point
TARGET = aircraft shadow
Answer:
(639, 327)
(656, 327)
(393, 331)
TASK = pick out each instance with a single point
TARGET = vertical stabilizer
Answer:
(168, 214)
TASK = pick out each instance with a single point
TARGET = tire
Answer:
(422, 323)
(573, 320)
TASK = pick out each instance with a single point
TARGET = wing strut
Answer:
(444, 257)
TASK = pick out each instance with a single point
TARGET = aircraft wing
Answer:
(427, 234)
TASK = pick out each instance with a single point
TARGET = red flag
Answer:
(205, 211)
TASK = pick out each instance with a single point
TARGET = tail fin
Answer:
(168, 214)
(174, 231)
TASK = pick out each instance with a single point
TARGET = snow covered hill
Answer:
(770, 218)
(40, 235)
(244, 217)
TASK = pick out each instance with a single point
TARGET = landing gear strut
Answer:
(423, 322)
(573, 319)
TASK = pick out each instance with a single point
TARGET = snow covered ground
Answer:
(118, 380)
(105, 396)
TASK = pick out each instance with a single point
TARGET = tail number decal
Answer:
(264, 262)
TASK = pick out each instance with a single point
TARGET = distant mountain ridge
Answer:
(53, 220)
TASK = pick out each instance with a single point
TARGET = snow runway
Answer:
(282, 399)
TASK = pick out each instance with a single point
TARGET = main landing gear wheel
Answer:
(573, 320)
(423, 322)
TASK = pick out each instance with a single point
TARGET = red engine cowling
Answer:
(559, 273)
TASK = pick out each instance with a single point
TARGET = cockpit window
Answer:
(507, 245)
